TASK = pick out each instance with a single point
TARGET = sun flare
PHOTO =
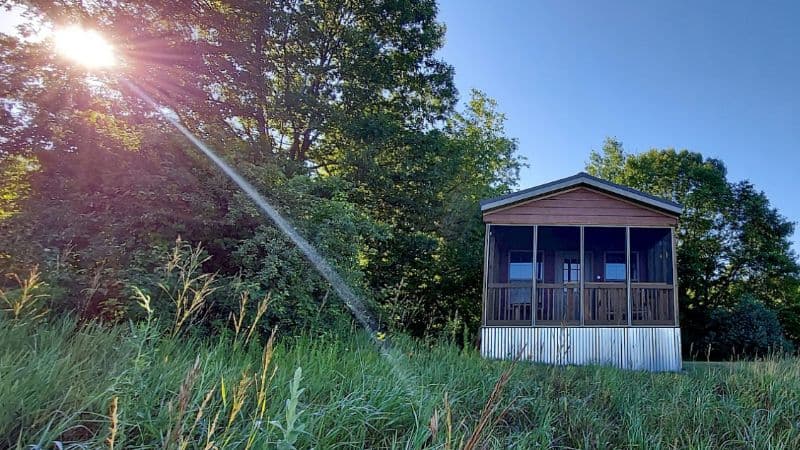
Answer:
(85, 47)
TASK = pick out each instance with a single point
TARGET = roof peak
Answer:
(582, 178)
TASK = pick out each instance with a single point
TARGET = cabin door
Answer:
(568, 268)
(568, 275)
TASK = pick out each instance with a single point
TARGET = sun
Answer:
(85, 47)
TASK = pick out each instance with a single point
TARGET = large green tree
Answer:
(731, 240)
(338, 110)
(424, 190)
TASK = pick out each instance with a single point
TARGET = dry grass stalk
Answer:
(192, 286)
(212, 428)
(239, 396)
(176, 435)
(260, 311)
(25, 304)
(486, 421)
(143, 300)
(448, 418)
(433, 426)
(200, 413)
(238, 320)
(262, 381)
(113, 426)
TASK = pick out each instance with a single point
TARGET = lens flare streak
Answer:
(342, 289)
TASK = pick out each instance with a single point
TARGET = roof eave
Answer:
(577, 181)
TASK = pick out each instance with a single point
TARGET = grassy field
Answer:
(93, 386)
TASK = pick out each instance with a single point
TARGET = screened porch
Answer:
(552, 275)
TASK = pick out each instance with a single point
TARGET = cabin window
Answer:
(571, 270)
(614, 269)
(608, 243)
(520, 265)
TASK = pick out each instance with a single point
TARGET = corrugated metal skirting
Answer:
(656, 349)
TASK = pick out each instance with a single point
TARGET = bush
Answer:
(747, 330)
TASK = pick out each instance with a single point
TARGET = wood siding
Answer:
(656, 349)
(579, 206)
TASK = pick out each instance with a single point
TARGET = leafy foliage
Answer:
(748, 329)
(14, 185)
(731, 240)
(424, 191)
(292, 427)
(339, 111)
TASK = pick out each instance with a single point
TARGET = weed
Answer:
(189, 287)
(291, 428)
(25, 303)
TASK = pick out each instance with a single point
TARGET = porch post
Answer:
(535, 274)
(628, 271)
(582, 273)
(486, 273)
(674, 275)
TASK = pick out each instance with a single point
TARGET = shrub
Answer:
(747, 330)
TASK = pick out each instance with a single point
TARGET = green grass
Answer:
(57, 383)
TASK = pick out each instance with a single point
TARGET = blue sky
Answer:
(721, 78)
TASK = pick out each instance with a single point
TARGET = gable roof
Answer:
(582, 179)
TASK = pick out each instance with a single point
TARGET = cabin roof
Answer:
(582, 179)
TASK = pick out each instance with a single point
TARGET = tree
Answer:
(608, 164)
(731, 241)
(338, 110)
(424, 190)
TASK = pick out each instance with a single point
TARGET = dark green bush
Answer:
(747, 330)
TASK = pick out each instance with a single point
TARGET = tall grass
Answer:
(88, 386)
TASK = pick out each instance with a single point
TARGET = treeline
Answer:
(338, 111)
(739, 280)
(342, 115)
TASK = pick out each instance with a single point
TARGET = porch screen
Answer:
(652, 297)
(558, 291)
(509, 275)
(605, 288)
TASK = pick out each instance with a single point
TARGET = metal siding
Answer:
(656, 349)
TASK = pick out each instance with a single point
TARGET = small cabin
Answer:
(581, 271)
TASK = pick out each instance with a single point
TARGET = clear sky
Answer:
(718, 77)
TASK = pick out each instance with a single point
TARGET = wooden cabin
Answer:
(581, 271)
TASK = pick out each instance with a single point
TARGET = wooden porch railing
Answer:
(559, 303)
(652, 304)
(509, 303)
(605, 304)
